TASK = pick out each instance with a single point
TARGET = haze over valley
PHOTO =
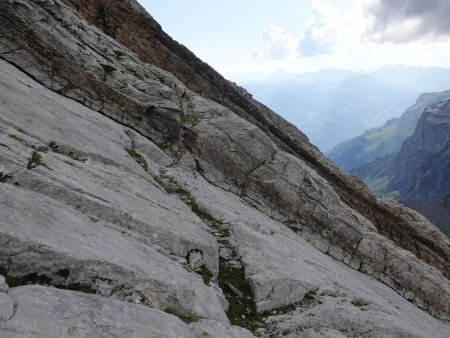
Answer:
(332, 106)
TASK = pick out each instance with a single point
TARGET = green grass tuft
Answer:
(57, 149)
(204, 272)
(22, 131)
(191, 119)
(17, 138)
(35, 160)
(137, 157)
(42, 149)
(359, 302)
(168, 145)
(187, 317)
(241, 311)
(311, 295)
(12, 282)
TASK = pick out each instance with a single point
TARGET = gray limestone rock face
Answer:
(213, 329)
(89, 67)
(338, 318)
(88, 185)
(54, 244)
(282, 269)
(3, 286)
(93, 222)
(112, 172)
(286, 188)
(6, 307)
(36, 311)
(49, 312)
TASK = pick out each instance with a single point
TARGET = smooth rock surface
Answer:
(83, 217)
(6, 307)
(3, 286)
(282, 268)
(49, 312)
(289, 190)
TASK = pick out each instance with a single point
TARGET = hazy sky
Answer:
(306, 35)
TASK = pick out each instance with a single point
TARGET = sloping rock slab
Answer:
(48, 312)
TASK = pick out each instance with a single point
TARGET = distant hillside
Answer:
(419, 174)
(385, 140)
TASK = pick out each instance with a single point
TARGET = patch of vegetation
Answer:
(191, 119)
(359, 302)
(57, 149)
(12, 281)
(35, 160)
(223, 242)
(137, 157)
(171, 187)
(42, 149)
(167, 145)
(34, 278)
(203, 214)
(17, 138)
(22, 131)
(241, 311)
(280, 310)
(223, 233)
(187, 317)
(77, 287)
(204, 272)
(311, 295)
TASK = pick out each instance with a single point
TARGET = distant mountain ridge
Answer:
(332, 112)
(385, 140)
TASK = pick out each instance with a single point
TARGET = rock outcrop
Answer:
(141, 175)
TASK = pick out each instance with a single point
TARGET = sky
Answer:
(265, 36)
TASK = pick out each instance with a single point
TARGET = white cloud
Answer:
(355, 36)
(276, 45)
(322, 33)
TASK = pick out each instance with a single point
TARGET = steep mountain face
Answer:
(419, 174)
(422, 165)
(132, 170)
(383, 141)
